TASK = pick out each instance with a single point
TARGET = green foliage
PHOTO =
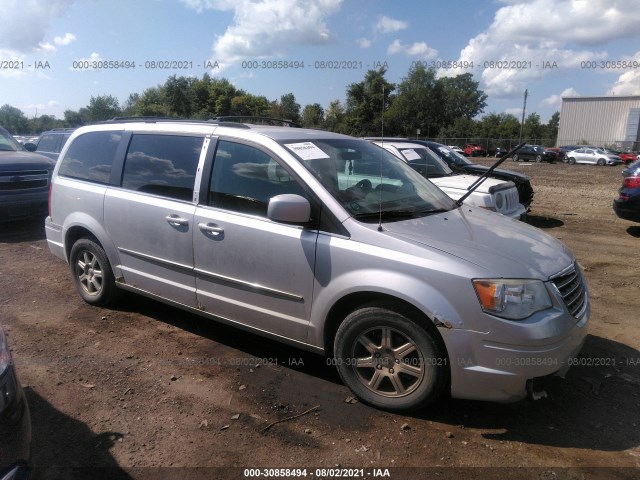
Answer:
(313, 116)
(13, 120)
(366, 101)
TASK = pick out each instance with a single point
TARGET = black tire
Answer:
(515, 157)
(92, 274)
(572, 161)
(538, 158)
(601, 162)
(405, 379)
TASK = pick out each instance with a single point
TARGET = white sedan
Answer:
(595, 156)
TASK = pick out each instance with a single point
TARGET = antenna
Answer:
(381, 152)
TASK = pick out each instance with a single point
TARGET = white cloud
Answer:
(554, 101)
(539, 31)
(364, 42)
(389, 25)
(41, 106)
(46, 48)
(24, 28)
(269, 27)
(418, 49)
(66, 40)
(628, 83)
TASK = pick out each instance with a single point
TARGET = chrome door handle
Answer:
(176, 220)
(211, 228)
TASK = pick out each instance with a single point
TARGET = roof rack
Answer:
(151, 119)
(256, 119)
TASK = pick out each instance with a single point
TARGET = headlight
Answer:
(512, 299)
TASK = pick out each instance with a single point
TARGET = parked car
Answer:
(456, 149)
(474, 150)
(627, 204)
(323, 241)
(535, 153)
(594, 156)
(24, 180)
(50, 143)
(497, 152)
(15, 421)
(461, 164)
(495, 195)
(627, 157)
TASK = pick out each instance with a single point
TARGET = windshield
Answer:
(368, 181)
(425, 161)
(8, 143)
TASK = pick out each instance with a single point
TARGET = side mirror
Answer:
(289, 208)
(31, 147)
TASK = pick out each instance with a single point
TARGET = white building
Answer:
(601, 121)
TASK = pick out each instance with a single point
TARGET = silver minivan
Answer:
(410, 296)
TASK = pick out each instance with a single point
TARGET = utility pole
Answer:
(524, 107)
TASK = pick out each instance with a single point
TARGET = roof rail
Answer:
(255, 120)
(151, 119)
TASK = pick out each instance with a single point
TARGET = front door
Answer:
(248, 268)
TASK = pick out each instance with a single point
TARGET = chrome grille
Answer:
(23, 180)
(571, 286)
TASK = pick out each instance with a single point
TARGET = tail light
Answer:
(631, 182)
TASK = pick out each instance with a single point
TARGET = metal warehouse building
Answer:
(602, 121)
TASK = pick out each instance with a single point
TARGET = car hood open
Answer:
(504, 247)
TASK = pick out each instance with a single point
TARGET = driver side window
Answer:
(244, 178)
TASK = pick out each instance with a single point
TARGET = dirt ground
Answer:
(149, 391)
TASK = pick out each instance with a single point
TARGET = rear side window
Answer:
(48, 143)
(162, 165)
(90, 156)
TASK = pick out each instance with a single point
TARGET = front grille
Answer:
(511, 200)
(23, 180)
(571, 286)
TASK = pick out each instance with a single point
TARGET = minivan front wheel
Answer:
(91, 272)
(388, 360)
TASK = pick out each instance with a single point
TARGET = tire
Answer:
(402, 381)
(515, 157)
(92, 274)
(572, 161)
(601, 162)
(538, 158)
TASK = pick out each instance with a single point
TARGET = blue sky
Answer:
(566, 35)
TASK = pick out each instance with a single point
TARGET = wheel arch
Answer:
(357, 300)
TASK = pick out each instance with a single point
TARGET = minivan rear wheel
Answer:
(388, 360)
(92, 273)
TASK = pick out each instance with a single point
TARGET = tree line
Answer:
(420, 105)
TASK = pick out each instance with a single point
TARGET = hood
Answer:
(461, 182)
(498, 172)
(24, 161)
(503, 247)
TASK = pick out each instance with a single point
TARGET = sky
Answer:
(316, 48)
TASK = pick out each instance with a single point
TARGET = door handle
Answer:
(211, 228)
(176, 220)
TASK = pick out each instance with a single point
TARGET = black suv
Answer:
(24, 180)
(50, 143)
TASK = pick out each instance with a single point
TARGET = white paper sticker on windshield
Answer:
(411, 154)
(306, 150)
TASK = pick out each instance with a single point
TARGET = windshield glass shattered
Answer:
(368, 181)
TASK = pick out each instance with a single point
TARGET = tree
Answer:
(103, 107)
(532, 128)
(151, 103)
(461, 97)
(313, 116)
(335, 116)
(75, 119)
(13, 120)
(366, 102)
(551, 128)
(415, 105)
(177, 96)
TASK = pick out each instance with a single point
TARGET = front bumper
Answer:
(495, 370)
(23, 205)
